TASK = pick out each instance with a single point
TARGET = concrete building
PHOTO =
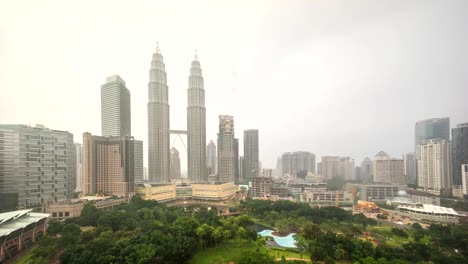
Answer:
(158, 121)
(346, 169)
(330, 167)
(459, 151)
(387, 169)
(236, 161)
(116, 119)
(72, 209)
(156, 192)
(326, 197)
(357, 173)
(138, 160)
(367, 174)
(211, 158)
(423, 197)
(434, 165)
(241, 168)
(319, 168)
(251, 154)
(175, 164)
(464, 172)
(298, 163)
(409, 163)
(108, 165)
(77, 157)
(196, 124)
(20, 230)
(375, 191)
(37, 166)
(261, 186)
(213, 192)
(226, 167)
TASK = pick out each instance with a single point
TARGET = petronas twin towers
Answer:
(158, 123)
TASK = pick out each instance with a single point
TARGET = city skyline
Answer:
(229, 58)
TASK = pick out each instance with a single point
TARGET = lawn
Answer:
(230, 252)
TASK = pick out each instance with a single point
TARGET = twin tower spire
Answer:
(159, 124)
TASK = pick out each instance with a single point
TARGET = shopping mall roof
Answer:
(12, 221)
(430, 209)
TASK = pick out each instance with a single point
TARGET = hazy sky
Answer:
(345, 78)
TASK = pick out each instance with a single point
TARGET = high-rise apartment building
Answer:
(115, 108)
(459, 151)
(434, 164)
(346, 169)
(409, 163)
(298, 163)
(226, 167)
(196, 125)
(236, 160)
(330, 167)
(357, 173)
(211, 159)
(108, 165)
(319, 168)
(388, 170)
(158, 121)
(37, 166)
(433, 128)
(367, 170)
(464, 172)
(77, 167)
(241, 168)
(138, 160)
(175, 164)
(251, 154)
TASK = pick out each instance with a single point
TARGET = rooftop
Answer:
(429, 208)
(12, 221)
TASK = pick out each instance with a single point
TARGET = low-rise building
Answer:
(375, 191)
(327, 197)
(156, 192)
(19, 230)
(424, 197)
(215, 192)
(261, 187)
(429, 212)
(73, 208)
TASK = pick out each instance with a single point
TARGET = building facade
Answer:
(226, 167)
(108, 165)
(459, 151)
(261, 186)
(175, 164)
(158, 121)
(375, 191)
(409, 163)
(138, 159)
(464, 171)
(299, 163)
(346, 169)
(387, 169)
(115, 108)
(37, 166)
(251, 154)
(433, 128)
(77, 167)
(211, 158)
(330, 167)
(236, 161)
(367, 170)
(196, 125)
(434, 164)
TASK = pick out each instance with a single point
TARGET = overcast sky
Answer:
(346, 78)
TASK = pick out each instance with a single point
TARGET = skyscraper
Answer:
(330, 167)
(346, 169)
(175, 164)
(366, 170)
(286, 163)
(78, 167)
(138, 160)
(158, 121)
(115, 108)
(226, 170)
(211, 158)
(433, 128)
(196, 124)
(459, 151)
(37, 166)
(251, 154)
(108, 165)
(387, 169)
(410, 167)
(298, 163)
(434, 164)
(236, 160)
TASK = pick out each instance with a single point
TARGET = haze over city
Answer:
(330, 77)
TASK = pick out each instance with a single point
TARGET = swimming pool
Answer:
(287, 241)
